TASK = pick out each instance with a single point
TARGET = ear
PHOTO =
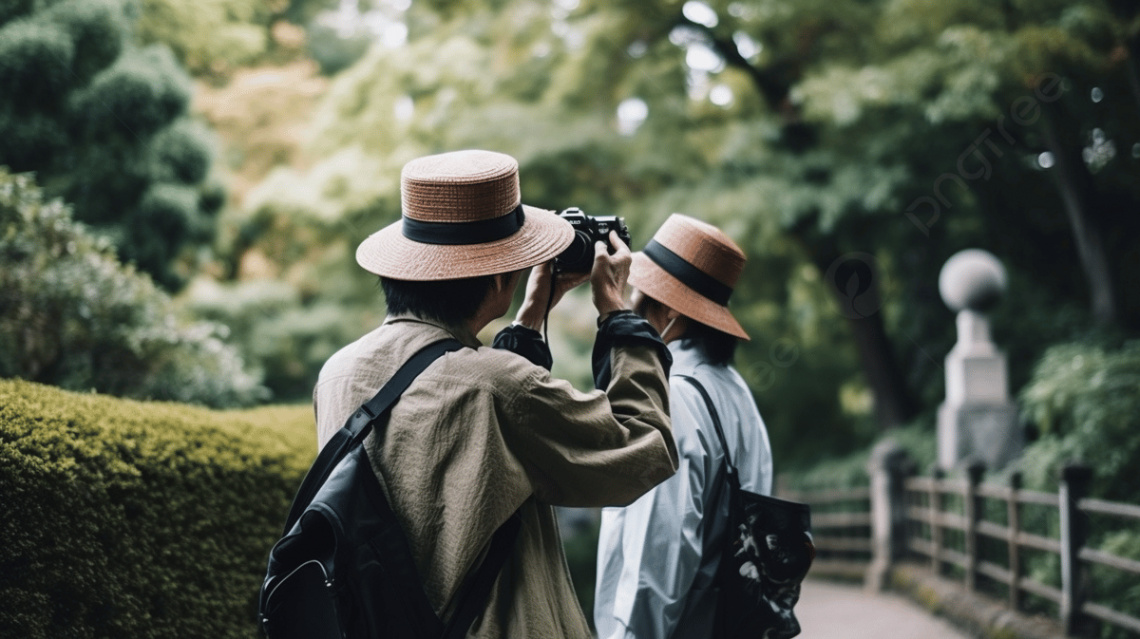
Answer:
(497, 281)
(671, 313)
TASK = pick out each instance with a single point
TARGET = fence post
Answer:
(888, 468)
(936, 477)
(1075, 480)
(1013, 518)
(972, 504)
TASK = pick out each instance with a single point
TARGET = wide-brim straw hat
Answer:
(691, 267)
(463, 217)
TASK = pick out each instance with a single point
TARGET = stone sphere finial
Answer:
(972, 279)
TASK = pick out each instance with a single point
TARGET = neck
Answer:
(476, 324)
(466, 331)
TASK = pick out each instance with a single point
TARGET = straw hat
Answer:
(691, 267)
(463, 217)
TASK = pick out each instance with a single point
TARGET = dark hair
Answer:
(450, 302)
(718, 347)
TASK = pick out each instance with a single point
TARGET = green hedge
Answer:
(134, 519)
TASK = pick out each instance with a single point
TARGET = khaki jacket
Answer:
(484, 432)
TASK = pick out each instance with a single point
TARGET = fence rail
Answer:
(978, 533)
(841, 529)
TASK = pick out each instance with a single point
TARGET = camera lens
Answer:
(580, 252)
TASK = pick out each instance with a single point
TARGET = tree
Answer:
(104, 124)
(72, 315)
(851, 148)
(863, 96)
(454, 85)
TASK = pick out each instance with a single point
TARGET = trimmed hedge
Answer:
(134, 519)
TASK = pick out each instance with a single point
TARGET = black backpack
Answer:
(765, 556)
(344, 568)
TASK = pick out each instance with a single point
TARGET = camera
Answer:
(588, 229)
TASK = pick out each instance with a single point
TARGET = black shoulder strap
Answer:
(473, 599)
(360, 424)
(733, 477)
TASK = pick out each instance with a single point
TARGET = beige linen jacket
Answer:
(483, 432)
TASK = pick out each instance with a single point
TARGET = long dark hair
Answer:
(717, 347)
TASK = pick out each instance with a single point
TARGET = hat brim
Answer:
(649, 278)
(388, 253)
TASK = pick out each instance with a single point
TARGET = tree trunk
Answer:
(1075, 188)
(894, 402)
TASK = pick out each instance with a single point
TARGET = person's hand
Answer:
(608, 278)
(533, 309)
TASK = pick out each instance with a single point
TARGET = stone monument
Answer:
(977, 422)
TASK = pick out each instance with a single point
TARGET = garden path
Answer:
(830, 610)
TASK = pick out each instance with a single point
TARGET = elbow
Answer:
(652, 474)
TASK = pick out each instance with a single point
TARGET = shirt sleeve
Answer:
(604, 447)
(524, 341)
(652, 549)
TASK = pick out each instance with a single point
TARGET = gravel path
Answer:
(830, 610)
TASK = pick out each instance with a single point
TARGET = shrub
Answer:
(71, 315)
(274, 330)
(1083, 399)
(121, 518)
(850, 470)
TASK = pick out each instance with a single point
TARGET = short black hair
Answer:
(449, 302)
(718, 347)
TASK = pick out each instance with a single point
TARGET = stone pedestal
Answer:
(977, 422)
(989, 434)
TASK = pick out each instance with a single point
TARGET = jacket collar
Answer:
(460, 333)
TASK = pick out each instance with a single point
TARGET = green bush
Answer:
(71, 315)
(850, 470)
(275, 330)
(1083, 398)
(129, 519)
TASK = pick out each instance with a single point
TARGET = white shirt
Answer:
(657, 556)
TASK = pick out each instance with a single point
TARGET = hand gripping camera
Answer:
(588, 229)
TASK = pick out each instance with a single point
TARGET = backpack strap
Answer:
(473, 598)
(360, 424)
(732, 475)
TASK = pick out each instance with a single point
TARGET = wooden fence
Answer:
(983, 535)
(841, 529)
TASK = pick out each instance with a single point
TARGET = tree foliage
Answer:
(850, 148)
(104, 124)
(209, 35)
(71, 315)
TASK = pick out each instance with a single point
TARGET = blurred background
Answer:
(186, 182)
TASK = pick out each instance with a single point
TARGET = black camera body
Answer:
(588, 229)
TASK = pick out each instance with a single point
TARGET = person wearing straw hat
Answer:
(485, 432)
(657, 557)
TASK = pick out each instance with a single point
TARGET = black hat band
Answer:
(455, 233)
(689, 275)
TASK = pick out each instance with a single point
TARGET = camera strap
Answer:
(554, 270)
